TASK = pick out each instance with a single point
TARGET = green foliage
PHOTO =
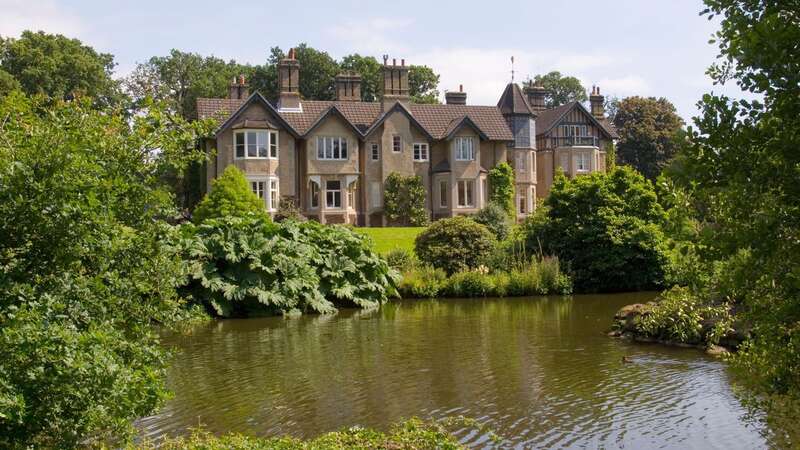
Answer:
(84, 268)
(289, 210)
(180, 78)
(537, 277)
(501, 187)
(676, 316)
(422, 84)
(560, 89)
(230, 196)
(58, 67)
(611, 156)
(647, 128)
(606, 227)
(455, 244)
(245, 266)
(411, 434)
(494, 217)
(8, 83)
(404, 200)
(371, 75)
(400, 259)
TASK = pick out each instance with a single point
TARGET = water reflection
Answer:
(540, 371)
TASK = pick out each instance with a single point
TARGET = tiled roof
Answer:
(513, 102)
(549, 118)
(438, 120)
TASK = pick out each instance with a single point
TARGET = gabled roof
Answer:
(333, 110)
(549, 118)
(257, 98)
(513, 102)
(398, 107)
(438, 118)
(457, 124)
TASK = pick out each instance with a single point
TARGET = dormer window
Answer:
(331, 147)
(255, 144)
(465, 148)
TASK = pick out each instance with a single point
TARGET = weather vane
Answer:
(512, 69)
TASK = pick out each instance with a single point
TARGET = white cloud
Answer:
(17, 16)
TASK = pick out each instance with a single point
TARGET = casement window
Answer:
(582, 162)
(522, 199)
(331, 147)
(375, 194)
(351, 195)
(465, 149)
(266, 188)
(397, 144)
(443, 194)
(253, 144)
(575, 130)
(564, 161)
(314, 195)
(466, 193)
(333, 194)
(420, 152)
(375, 151)
(521, 162)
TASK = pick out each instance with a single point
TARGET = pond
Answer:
(540, 372)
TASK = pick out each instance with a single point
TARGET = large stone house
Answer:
(332, 157)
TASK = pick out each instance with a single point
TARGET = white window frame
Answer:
(583, 163)
(332, 148)
(443, 193)
(398, 147)
(421, 152)
(270, 193)
(468, 199)
(265, 134)
(351, 194)
(522, 162)
(312, 188)
(273, 147)
(464, 148)
(336, 195)
(375, 151)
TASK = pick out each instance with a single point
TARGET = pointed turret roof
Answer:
(513, 101)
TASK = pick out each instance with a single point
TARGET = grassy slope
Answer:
(390, 238)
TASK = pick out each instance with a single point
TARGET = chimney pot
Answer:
(394, 61)
(241, 79)
(460, 88)
(403, 62)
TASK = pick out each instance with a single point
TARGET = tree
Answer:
(607, 227)
(423, 84)
(59, 67)
(180, 78)
(371, 75)
(494, 217)
(740, 168)
(7, 83)
(230, 196)
(404, 200)
(560, 89)
(84, 268)
(501, 187)
(647, 128)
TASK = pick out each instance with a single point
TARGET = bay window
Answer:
(351, 195)
(266, 188)
(333, 194)
(331, 147)
(466, 193)
(443, 194)
(582, 162)
(314, 195)
(254, 144)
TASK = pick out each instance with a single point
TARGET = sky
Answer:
(626, 47)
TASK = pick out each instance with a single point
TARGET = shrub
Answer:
(676, 316)
(400, 259)
(288, 210)
(495, 218)
(422, 282)
(455, 244)
(230, 196)
(242, 266)
(470, 284)
(501, 184)
(607, 228)
(404, 200)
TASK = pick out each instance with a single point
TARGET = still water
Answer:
(539, 371)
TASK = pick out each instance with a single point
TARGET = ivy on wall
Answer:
(501, 183)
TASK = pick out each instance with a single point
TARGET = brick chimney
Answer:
(348, 87)
(536, 94)
(395, 82)
(238, 89)
(597, 103)
(456, 97)
(289, 82)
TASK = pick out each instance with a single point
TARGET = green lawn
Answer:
(390, 238)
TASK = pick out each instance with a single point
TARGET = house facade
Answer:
(332, 157)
